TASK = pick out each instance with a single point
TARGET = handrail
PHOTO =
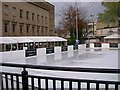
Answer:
(73, 69)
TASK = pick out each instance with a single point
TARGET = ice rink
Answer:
(77, 58)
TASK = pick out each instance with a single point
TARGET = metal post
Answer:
(76, 22)
(119, 17)
(24, 79)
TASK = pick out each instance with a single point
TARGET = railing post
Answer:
(24, 79)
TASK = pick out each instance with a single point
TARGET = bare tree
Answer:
(68, 21)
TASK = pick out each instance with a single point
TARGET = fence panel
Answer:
(9, 79)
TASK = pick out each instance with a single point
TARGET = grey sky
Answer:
(93, 8)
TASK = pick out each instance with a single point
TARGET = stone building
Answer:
(27, 19)
(27, 26)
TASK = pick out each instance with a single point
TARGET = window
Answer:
(32, 16)
(8, 47)
(38, 18)
(46, 28)
(6, 9)
(21, 13)
(45, 20)
(46, 32)
(6, 27)
(27, 28)
(13, 27)
(14, 11)
(20, 46)
(27, 15)
(21, 26)
(42, 19)
(42, 30)
(33, 28)
(38, 29)
(14, 47)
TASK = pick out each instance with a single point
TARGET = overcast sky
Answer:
(93, 8)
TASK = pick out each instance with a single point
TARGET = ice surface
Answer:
(77, 58)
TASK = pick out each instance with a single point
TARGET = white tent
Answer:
(113, 36)
(37, 39)
(31, 39)
(7, 40)
(53, 39)
(60, 39)
(21, 39)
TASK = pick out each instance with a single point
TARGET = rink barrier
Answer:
(64, 48)
(42, 51)
(49, 50)
(103, 45)
(13, 79)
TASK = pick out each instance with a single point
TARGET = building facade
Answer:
(27, 19)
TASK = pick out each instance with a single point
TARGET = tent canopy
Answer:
(30, 39)
(113, 36)
(21, 39)
(7, 40)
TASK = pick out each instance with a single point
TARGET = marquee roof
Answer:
(6, 40)
(113, 36)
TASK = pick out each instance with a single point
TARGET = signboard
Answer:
(97, 45)
(87, 45)
(64, 48)
(75, 47)
(113, 45)
(49, 50)
(30, 52)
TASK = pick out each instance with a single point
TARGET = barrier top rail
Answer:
(73, 69)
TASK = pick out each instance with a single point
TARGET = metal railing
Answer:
(13, 79)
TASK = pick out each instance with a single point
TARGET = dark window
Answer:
(46, 28)
(6, 9)
(14, 47)
(46, 32)
(42, 19)
(33, 28)
(6, 27)
(8, 47)
(27, 15)
(45, 20)
(42, 30)
(38, 29)
(38, 18)
(20, 46)
(21, 13)
(27, 29)
(21, 28)
(14, 11)
(13, 26)
(32, 16)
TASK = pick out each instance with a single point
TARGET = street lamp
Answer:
(76, 24)
(119, 17)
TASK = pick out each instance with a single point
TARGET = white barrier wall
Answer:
(105, 45)
(70, 48)
(82, 46)
(57, 49)
(119, 45)
(41, 51)
(20, 54)
(91, 45)
(10, 55)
